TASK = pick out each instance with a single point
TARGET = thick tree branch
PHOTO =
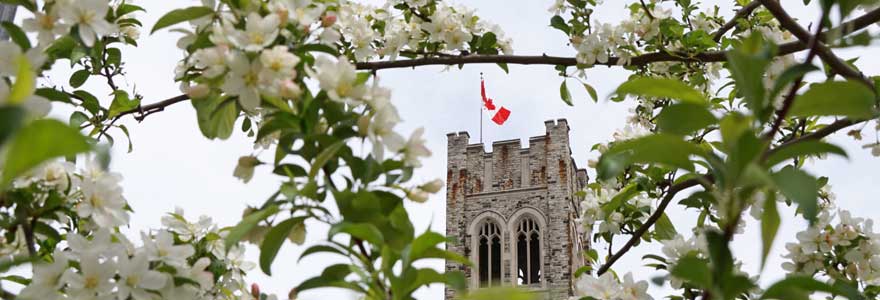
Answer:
(838, 65)
(742, 13)
(710, 56)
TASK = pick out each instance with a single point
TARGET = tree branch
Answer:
(813, 44)
(709, 56)
(742, 13)
(674, 189)
(825, 53)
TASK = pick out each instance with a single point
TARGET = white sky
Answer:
(174, 165)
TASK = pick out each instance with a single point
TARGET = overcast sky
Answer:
(174, 165)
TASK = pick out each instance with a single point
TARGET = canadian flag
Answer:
(500, 115)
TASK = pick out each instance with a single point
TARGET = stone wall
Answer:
(512, 182)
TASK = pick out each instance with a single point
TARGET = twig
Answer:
(742, 13)
(645, 8)
(812, 43)
(651, 220)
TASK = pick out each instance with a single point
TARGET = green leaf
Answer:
(11, 118)
(273, 241)
(661, 88)
(320, 249)
(675, 152)
(122, 103)
(788, 76)
(795, 287)
(799, 187)
(747, 64)
(181, 15)
(25, 81)
(421, 244)
(693, 270)
(127, 8)
(835, 98)
(684, 118)
(114, 56)
(53, 95)
(247, 224)
(325, 156)
(79, 78)
(591, 91)
(803, 148)
(663, 229)
(363, 231)
(40, 141)
(559, 23)
(769, 227)
(565, 94)
(17, 35)
(216, 116)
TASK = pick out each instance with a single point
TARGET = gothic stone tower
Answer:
(512, 212)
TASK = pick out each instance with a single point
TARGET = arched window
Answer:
(489, 255)
(528, 252)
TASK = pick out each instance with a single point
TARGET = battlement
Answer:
(511, 165)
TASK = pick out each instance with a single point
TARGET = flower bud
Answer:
(290, 90)
(328, 20)
(197, 91)
(245, 168)
(363, 125)
(432, 186)
(255, 290)
(417, 195)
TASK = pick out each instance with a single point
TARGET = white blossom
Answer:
(88, 15)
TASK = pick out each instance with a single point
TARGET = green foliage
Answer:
(802, 149)
(274, 239)
(121, 103)
(564, 94)
(835, 98)
(216, 116)
(37, 142)
(684, 118)
(247, 224)
(677, 153)
(181, 15)
(801, 188)
(747, 64)
(661, 88)
(769, 226)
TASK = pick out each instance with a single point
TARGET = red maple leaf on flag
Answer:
(502, 114)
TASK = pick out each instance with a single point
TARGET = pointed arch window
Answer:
(489, 256)
(528, 252)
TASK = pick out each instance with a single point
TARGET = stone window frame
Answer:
(474, 233)
(513, 227)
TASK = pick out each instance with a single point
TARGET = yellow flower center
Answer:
(91, 282)
(132, 280)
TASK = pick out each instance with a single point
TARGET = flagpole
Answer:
(481, 113)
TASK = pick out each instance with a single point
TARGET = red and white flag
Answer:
(500, 115)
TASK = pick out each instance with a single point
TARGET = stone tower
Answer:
(512, 212)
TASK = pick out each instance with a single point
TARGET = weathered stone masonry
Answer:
(508, 184)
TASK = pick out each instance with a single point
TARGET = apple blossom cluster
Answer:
(92, 193)
(847, 250)
(183, 260)
(613, 210)
(367, 31)
(608, 287)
